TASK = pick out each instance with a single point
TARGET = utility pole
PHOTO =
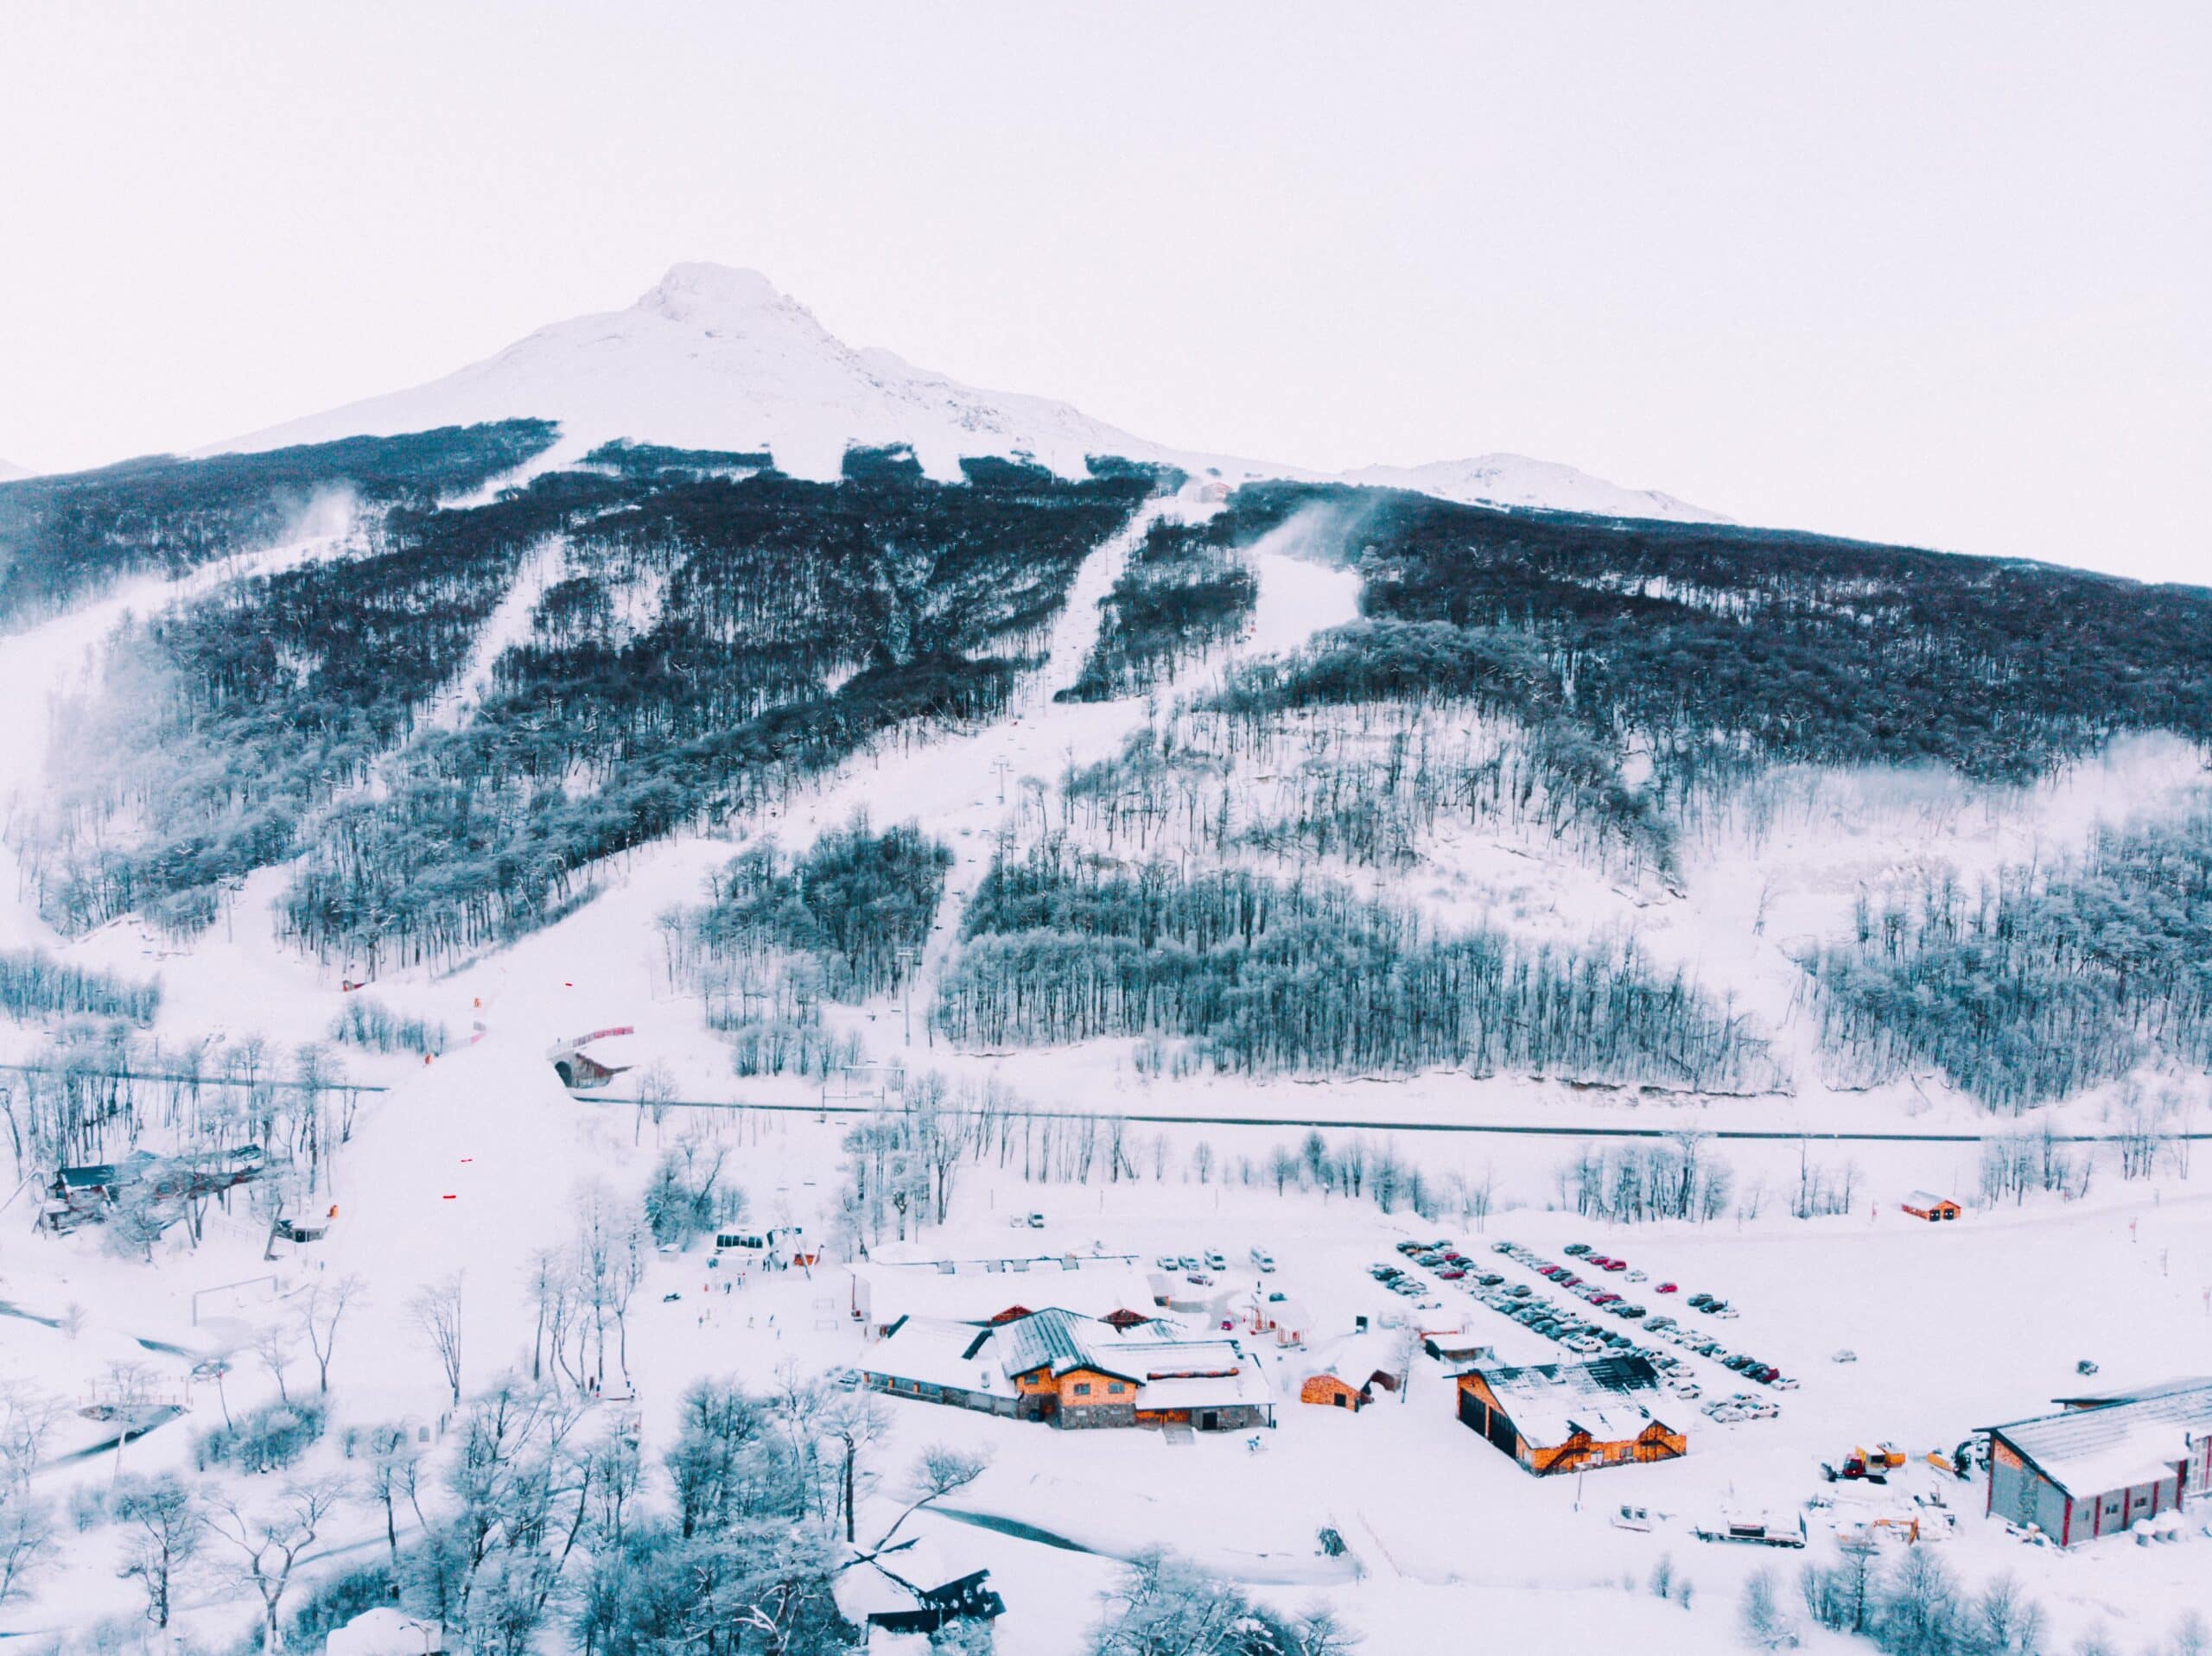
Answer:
(1003, 766)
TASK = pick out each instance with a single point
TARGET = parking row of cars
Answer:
(1661, 1328)
(1196, 1266)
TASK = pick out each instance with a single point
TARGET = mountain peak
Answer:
(717, 357)
(700, 293)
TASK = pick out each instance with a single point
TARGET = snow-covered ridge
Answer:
(11, 472)
(1517, 481)
(713, 357)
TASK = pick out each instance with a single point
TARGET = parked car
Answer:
(1725, 1311)
(1632, 1312)
(1168, 1262)
(1519, 1290)
(1701, 1301)
(1264, 1260)
(1846, 1356)
(1666, 1288)
(1489, 1279)
(1617, 1265)
(1501, 1248)
(1451, 1273)
(1660, 1325)
(1190, 1262)
(1216, 1259)
(1576, 1250)
(1409, 1249)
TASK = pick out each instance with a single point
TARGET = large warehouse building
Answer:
(1565, 1417)
(2104, 1462)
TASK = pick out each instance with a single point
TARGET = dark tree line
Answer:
(858, 903)
(1182, 592)
(62, 537)
(1263, 975)
(706, 640)
(792, 623)
(2037, 982)
(1722, 648)
(226, 724)
(35, 984)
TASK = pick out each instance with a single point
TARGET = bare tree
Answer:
(320, 1313)
(941, 1471)
(274, 1346)
(436, 1312)
(394, 1475)
(27, 1420)
(163, 1523)
(25, 1535)
(855, 1421)
(271, 1544)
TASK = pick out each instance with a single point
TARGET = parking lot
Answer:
(1675, 1345)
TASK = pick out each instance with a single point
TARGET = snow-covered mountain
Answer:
(1517, 481)
(717, 359)
(10, 472)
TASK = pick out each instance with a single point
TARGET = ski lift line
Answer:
(280, 1083)
(1370, 1124)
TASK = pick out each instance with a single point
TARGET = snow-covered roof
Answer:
(382, 1631)
(1927, 1199)
(986, 1360)
(937, 1352)
(884, 1293)
(1353, 1358)
(1549, 1403)
(2116, 1445)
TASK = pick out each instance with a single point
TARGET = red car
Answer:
(1617, 1265)
(1601, 1262)
(1451, 1273)
(1666, 1288)
(1605, 1299)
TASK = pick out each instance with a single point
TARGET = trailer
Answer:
(1755, 1529)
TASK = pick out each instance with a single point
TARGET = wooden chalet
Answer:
(1072, 1372)
(1921, 1204)
(1568, 1417)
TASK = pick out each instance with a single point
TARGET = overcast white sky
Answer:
(1939, 274)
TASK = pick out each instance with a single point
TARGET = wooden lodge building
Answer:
(1922, 1204)
(2104, 1462)
(1568, 1416)
(1072, 1372)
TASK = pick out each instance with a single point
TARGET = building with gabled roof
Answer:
(2104, 1462)
(1924, 1204)
(999, 1291)
(1568, 1416)
(1348, 1371)
(1072, 1371)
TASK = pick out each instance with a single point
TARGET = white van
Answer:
(1264, 1260)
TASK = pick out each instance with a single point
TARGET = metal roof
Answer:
(2112, 1446)
(1548, 1403)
